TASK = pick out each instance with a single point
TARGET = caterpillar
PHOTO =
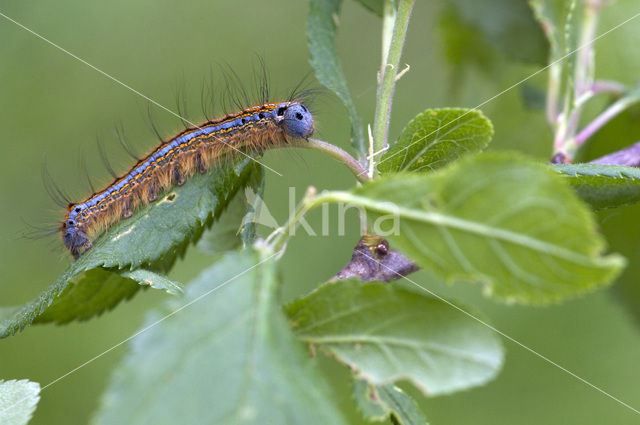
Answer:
(195, 149)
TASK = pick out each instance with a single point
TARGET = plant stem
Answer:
(389, 70)
(602, 119)
(585, 61)
(555, 67)
(606, 86)
(335, 152)
(388, 19)
(584, 68)
(583, 88)
(553, 90)
(612, 88)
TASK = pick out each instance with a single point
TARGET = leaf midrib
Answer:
(439, 219)
(436, 139)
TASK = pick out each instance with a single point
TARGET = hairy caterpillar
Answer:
(196, 149)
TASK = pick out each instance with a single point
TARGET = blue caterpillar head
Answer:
(76, 241)
(74, 238)
(297, 121)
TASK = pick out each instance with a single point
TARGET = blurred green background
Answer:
(54, 107)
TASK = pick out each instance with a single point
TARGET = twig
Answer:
(603, 118)
(335, 152)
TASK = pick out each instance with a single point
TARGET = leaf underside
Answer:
(510, 223)
(378, 403)
(90, 294)
(386, 333)
(229, 357)
(18, 400)
(603, 186)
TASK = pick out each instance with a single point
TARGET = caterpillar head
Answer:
(296, 120)
(73, 236)
(76, 241)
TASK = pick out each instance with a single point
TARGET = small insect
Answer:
(196, 149)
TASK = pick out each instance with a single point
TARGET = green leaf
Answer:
(374, 6)
(403, 407)
(154, 280)
(603, 186)
(18, 400)
(223, 354)
(87, 295)
(435, 138)
(378, 403)
(504, 26)
(98, 290)
(386, 333)
(321, 32)
(8, 311)
(226, 234)
(153, 238)
(507, 222)
(368, 402)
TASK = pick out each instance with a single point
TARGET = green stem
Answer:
(389, 71)
(553, 91)
(388, 19)
(612, 88)
(335, 152)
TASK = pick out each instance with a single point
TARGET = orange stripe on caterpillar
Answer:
(195, 149)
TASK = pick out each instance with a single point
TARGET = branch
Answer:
(335, 152)
(610, 113)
